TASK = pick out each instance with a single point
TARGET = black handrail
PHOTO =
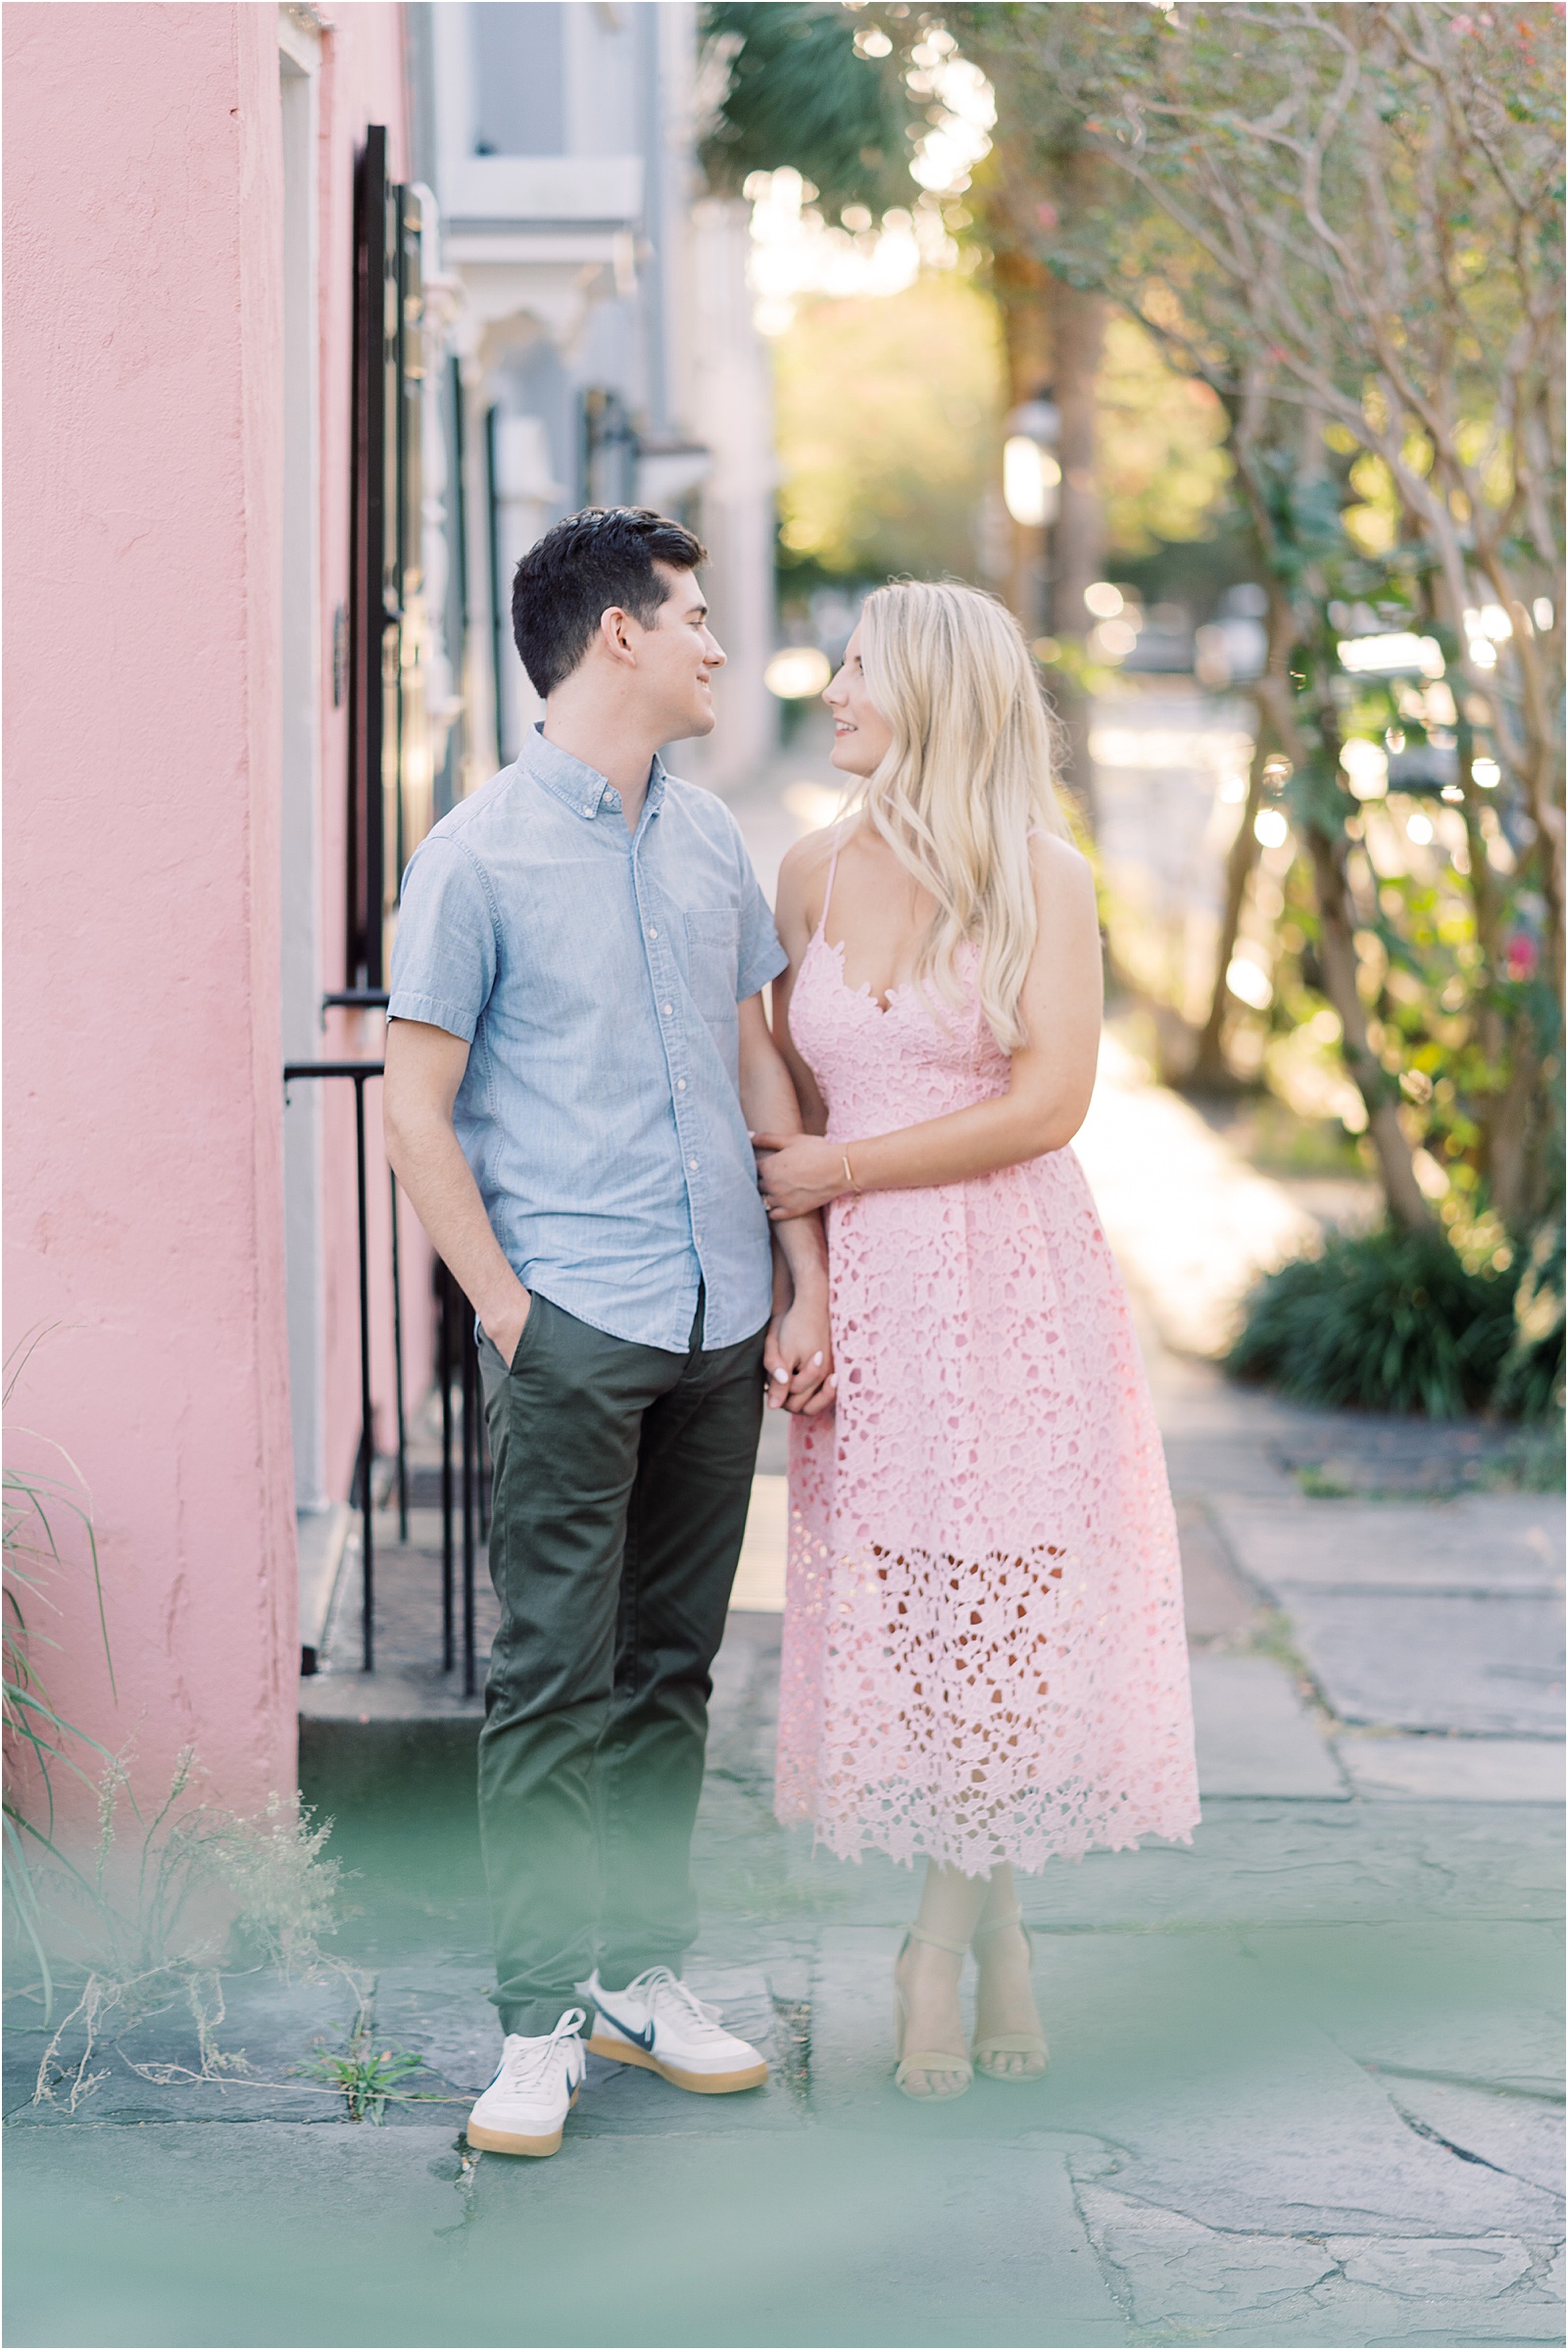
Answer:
(359, 1071)
(455, 1323)
(356, 998)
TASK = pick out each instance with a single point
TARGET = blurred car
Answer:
(1163, 645)
(1232, 647)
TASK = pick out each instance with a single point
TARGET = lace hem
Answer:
(1010, 1706)
(1026, 1846)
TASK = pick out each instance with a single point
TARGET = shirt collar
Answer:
(571, 780)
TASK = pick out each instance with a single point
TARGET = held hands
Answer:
(797, 1173)
(798, 1358)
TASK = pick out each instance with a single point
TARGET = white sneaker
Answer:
(656, 2022)
(534, 2090)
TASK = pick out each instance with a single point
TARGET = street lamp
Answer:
(1030, 474)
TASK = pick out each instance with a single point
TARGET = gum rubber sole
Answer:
(704, 2084)
(507, 2141)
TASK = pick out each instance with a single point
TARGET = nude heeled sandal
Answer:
(924, 2060)
(1009, 2044)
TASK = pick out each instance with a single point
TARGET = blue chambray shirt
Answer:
(596, 974)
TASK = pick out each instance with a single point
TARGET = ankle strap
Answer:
(919, 1934)
(995, 1924)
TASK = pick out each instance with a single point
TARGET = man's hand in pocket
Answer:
(505, 1326)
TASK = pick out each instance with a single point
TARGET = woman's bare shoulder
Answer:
(803, 873)
(1060, 871)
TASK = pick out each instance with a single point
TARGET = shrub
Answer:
(1388, 1320)
(1530, 1384)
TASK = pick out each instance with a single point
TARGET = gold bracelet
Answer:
(848, 1174)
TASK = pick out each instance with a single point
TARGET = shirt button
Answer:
(692, 1163)
(652, 932)
(680, 1085)
(668, 1009)
(587, 811)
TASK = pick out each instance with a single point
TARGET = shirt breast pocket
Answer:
(712, 958)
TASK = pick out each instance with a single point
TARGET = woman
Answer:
(984, 1658)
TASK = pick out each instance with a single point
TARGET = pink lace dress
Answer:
(984, 1653)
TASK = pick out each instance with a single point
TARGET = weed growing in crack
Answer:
(794, 2049)
(367, 2078)
(106, 2005)
(144, 1926)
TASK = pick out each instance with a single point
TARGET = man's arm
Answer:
(799, 1343)
(424, 1069)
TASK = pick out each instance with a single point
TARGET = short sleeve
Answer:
(444, 956)
(761, 957)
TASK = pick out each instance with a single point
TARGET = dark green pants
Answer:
(622, 1475)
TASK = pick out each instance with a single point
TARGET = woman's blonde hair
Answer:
(966, 781)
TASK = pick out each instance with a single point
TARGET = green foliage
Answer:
(1445, 896)
(1530, 1386)
(800, 94)
(1160, 456)
(1347, 222)
(1388, 1321)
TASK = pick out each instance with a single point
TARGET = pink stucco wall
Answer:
(361, 83)
(143, 456)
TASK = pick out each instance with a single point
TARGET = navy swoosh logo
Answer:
(643, 2040)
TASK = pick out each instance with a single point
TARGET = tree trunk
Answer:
(1078, 542)
(1337, 952)
(1077, 339)
(1209, 1065)
(1407, 1203)
(1023, 290)
(1509, 1137)
(1053, 337)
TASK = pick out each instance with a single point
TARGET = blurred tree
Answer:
(1348, 222)
(884, 467)
(1361, 215)
(1043, 170)
(843, 96)
(1164, 470)
(792, 83)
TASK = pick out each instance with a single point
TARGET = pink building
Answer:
(314, 319)
(186, 629)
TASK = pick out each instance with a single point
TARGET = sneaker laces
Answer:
(532, 2061)
(657, 1986)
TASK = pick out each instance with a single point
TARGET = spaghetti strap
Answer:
(827, 898)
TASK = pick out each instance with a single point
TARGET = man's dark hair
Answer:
(593, 559)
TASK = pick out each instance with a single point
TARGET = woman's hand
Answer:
(798, 1358)
(797, 1173)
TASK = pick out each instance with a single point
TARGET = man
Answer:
(576, 1051)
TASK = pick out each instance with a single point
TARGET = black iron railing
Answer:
(359, 1072)
(466, 1503)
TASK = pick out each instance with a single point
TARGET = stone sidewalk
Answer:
(1306, 2084)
